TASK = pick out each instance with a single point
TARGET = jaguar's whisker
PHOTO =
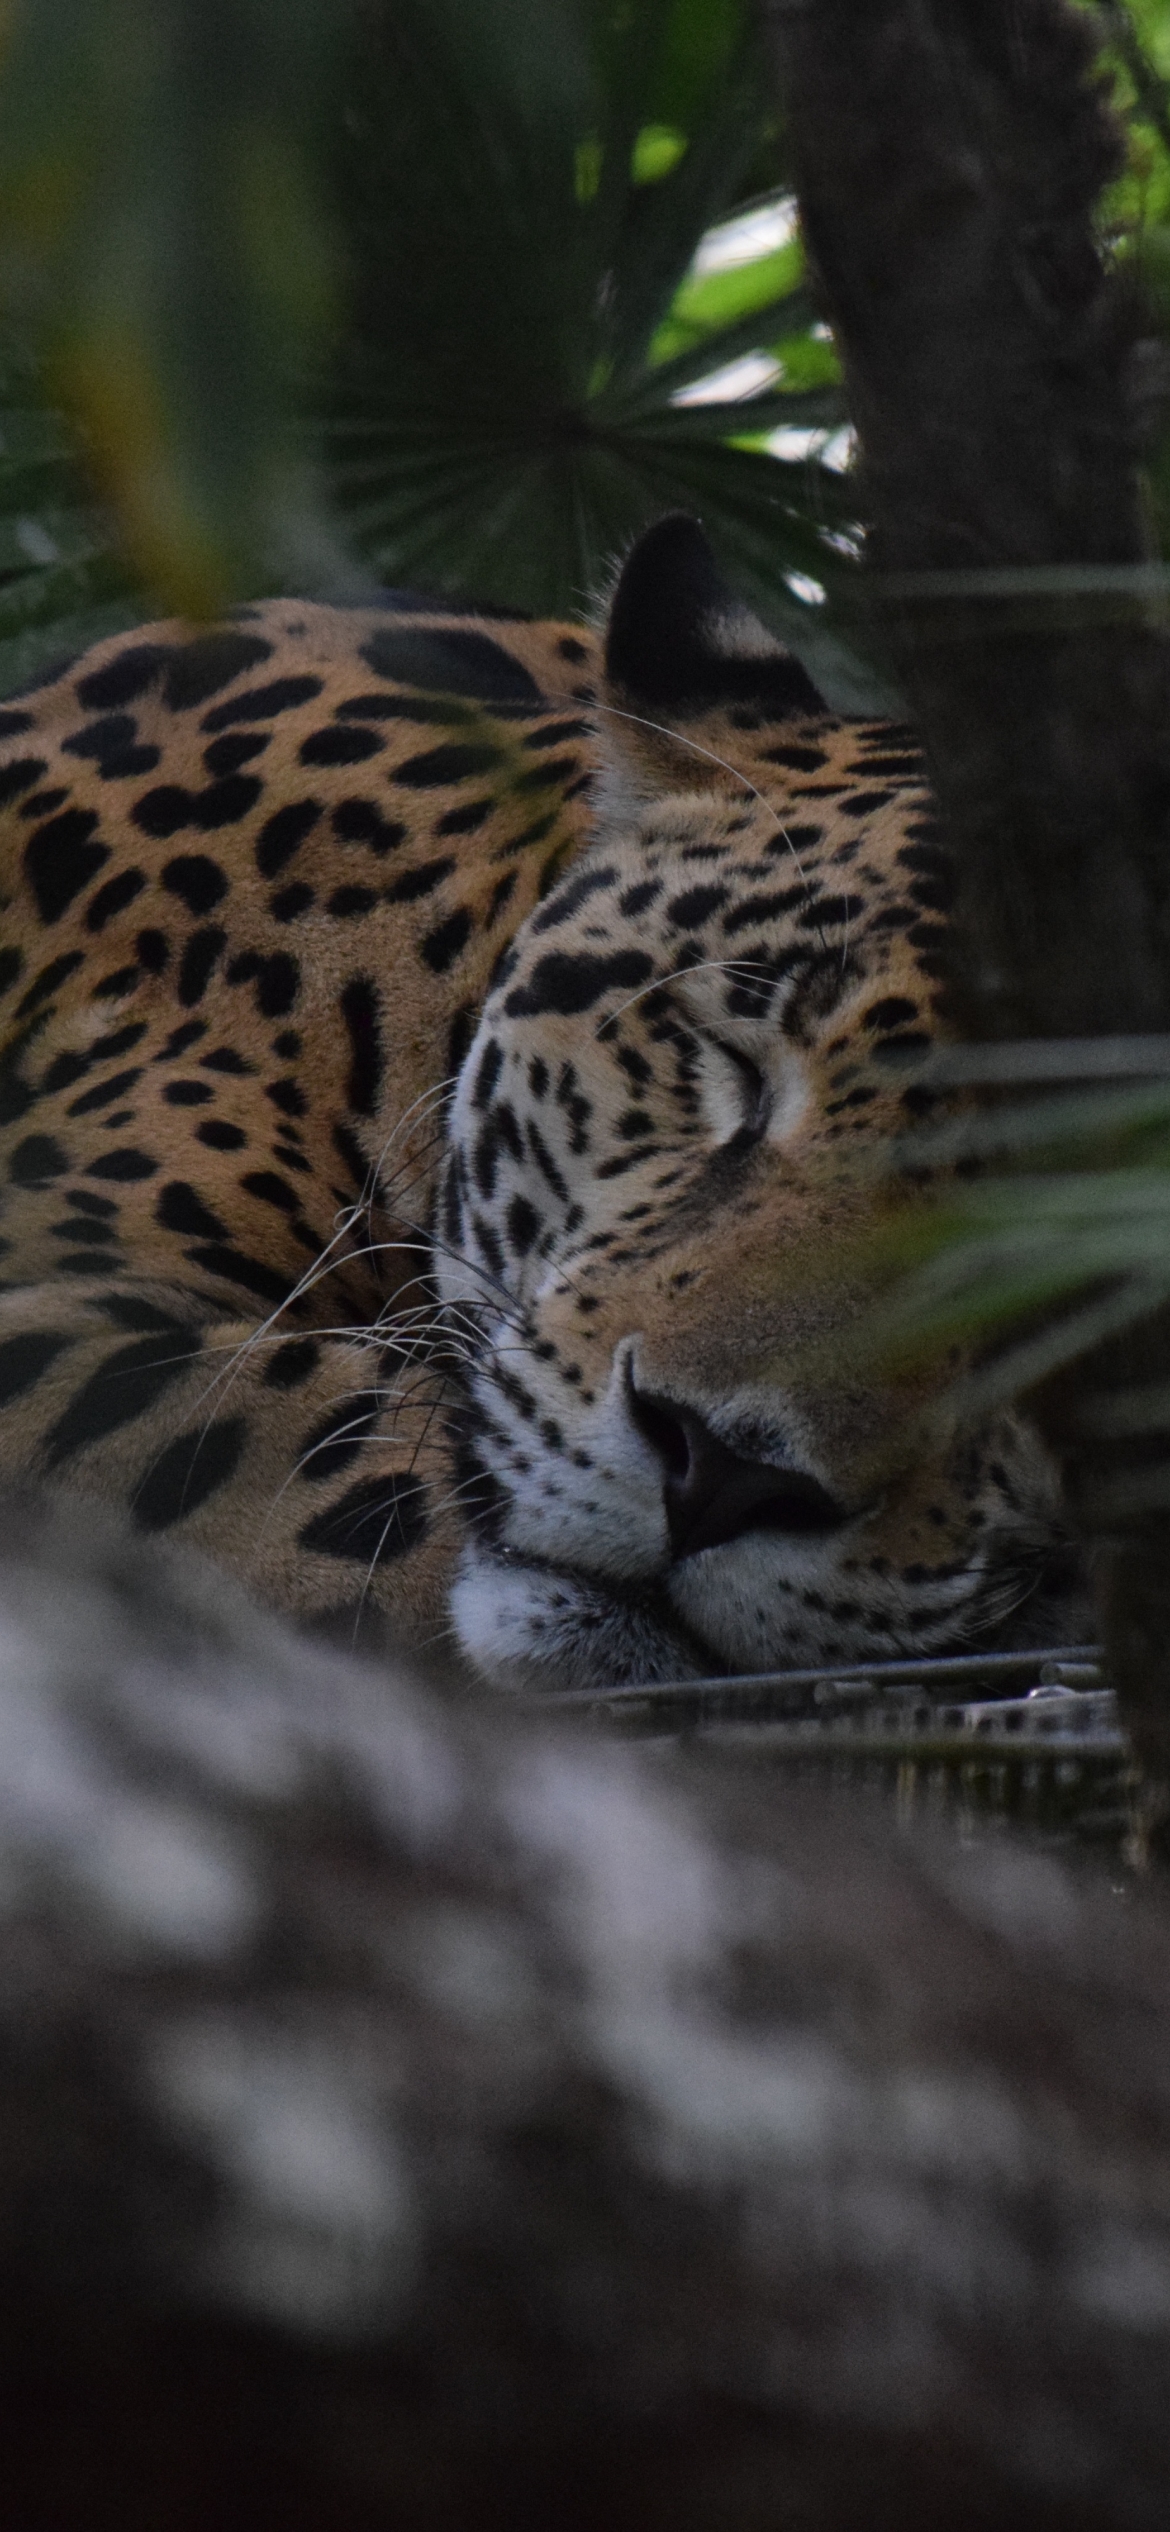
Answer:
(661, 729)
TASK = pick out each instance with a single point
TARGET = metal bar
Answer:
(773, 1695)
(1060, 1059)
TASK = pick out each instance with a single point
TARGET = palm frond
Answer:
(1034, 1267)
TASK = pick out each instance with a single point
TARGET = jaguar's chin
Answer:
(530, 1627)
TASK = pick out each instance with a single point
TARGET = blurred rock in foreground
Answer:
(416, 2116)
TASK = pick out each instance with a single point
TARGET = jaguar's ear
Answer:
(679, 643)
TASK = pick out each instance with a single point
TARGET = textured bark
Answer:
(950, 153)
(419, 2116)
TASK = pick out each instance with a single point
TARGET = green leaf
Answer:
(1086, 1247)
(745, 421)
(160, 236)
(658, 148)
(60, 636)
(706, 302)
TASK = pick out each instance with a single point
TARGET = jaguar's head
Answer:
(661, 1174)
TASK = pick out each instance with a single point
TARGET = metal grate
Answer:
(803, 1697)
(1031, 1735)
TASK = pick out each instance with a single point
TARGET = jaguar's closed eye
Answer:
(755, 1091)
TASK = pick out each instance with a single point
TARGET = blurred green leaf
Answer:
(1033, 1269)
(658, 148)
(161, 239)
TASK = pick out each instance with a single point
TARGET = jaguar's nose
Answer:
(711, 1494)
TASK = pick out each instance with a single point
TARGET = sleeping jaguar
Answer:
(445, 1060)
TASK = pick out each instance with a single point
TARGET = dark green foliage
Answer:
(1061, 1238)
(401, 292)
(501, 413)
(163, 255)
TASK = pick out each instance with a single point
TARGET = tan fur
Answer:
(372, 1262)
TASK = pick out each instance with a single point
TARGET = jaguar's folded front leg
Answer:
(314, 1464)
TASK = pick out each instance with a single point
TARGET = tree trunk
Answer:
(950, 155)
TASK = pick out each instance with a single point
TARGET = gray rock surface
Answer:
(414, 2114)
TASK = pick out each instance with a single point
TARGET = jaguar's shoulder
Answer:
(296, 652)
(177, 806)
(363, 726)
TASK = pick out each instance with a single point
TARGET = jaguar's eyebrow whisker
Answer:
(759, 974)
(662, 729)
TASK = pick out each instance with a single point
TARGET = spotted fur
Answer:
(429, 1095)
